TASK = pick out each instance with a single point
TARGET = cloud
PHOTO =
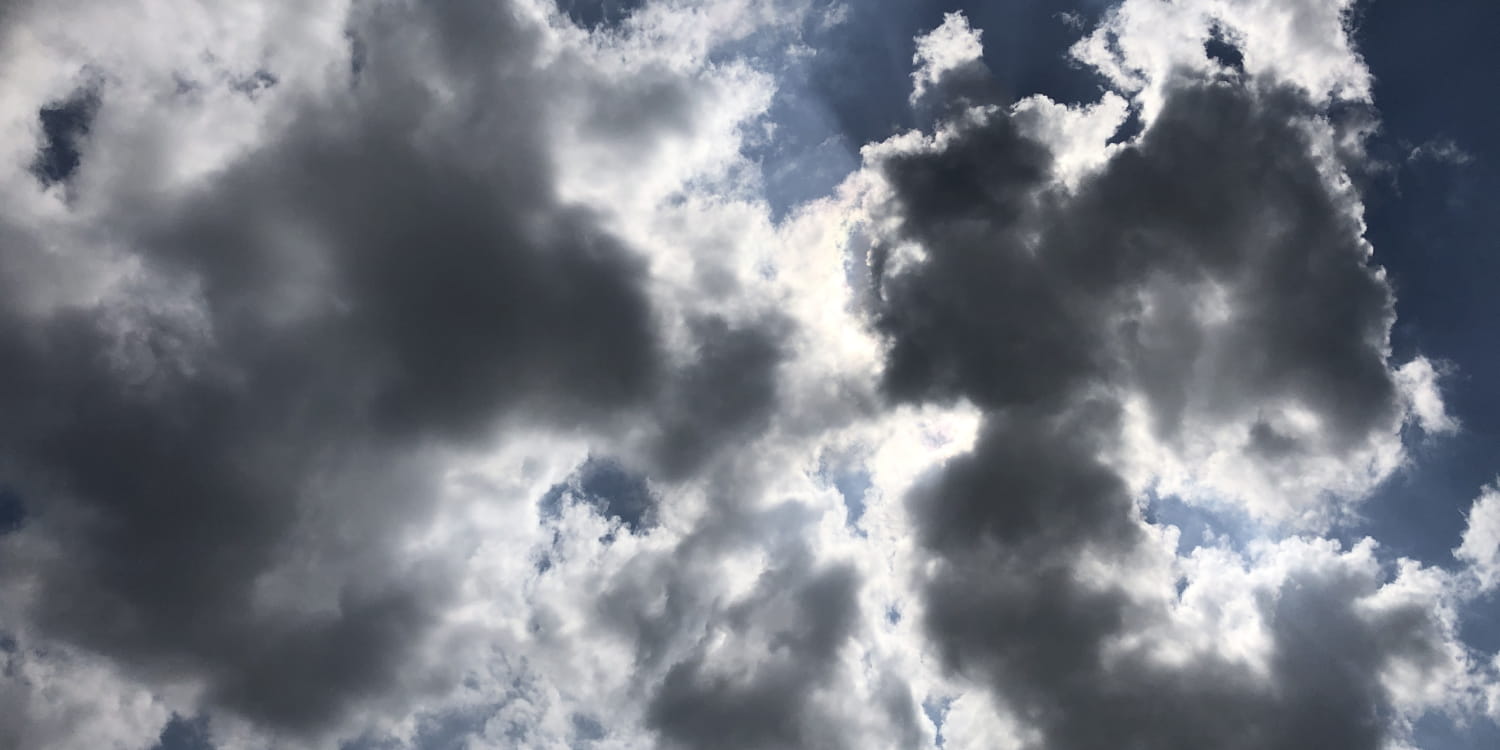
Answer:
(950, 56)
(1480, 548)
(59, 698)
(388, 271)
(1152, 276)
(1142, 45)
(1442, 151)
(1210, 277)
(1055, 647)
(768, 703)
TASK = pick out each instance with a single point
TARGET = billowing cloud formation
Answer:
(1043, 307)
(398, 374)
(356, 292)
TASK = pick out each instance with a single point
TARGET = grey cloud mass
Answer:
(772, 706)
(389, 272)
(1033, 303)
(1222, 190)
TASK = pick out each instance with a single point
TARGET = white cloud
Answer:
(1144, 45)
(951, 46)
(1480, 548)
(1418, 380)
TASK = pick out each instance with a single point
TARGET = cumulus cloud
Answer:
(364, 285)
(1480, 548)
(949, 55)
(1159, 302)
(1152, 277)
(404, 375)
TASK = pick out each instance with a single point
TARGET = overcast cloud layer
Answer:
(390, 374)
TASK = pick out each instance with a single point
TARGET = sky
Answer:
(679, 374)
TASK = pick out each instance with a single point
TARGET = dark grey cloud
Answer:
(1033, 302)
(954, 322)
(1008, 607)
(701, 705)
(758, 670)
(1223, 189)
(726, 396)
(391, 272)
(1033, 482)
(1037, 634)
